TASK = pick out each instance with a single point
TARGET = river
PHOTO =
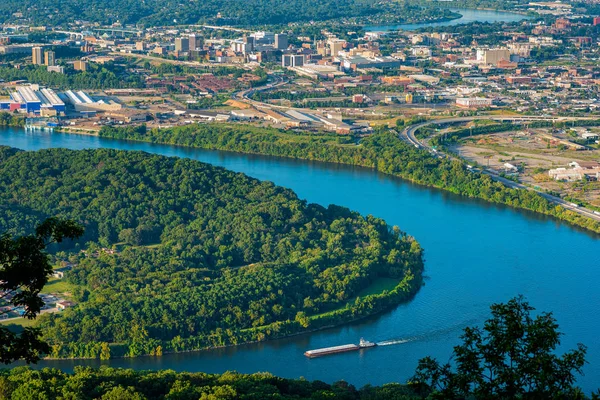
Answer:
(476, 254)
(468, 16)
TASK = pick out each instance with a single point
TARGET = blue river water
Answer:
(468, 16)
(476, 254)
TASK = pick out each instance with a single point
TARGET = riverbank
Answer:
(468, 15)
(380, 303)
(11, 120)
(477, 254)
(78, 131)
(384, 152)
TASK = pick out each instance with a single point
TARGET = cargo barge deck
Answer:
(363, 344)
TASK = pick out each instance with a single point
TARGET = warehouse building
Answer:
(83, 103)
(34, 100)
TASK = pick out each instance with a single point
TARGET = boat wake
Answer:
(392, 342)
(428, 335)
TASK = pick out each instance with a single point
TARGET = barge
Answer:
(363, 344)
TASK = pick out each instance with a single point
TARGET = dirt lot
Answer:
(535, 155)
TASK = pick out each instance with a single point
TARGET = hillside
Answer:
(202, 257)
(231, 12)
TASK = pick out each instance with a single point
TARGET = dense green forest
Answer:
(383, 151)
(120, 384)
(251, 12)
(10, 119)
(526, 365)
(206, 257)
(97, 77)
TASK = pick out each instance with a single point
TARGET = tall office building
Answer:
(80, 65)
(335, 46)
(291, 60)
(49, 58)
(249, 41)
(195, 41)
(493, 56)
(182, 44)
(37, 54)
(281, 41)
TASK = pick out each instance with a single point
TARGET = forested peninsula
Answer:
(383, 151)
(179, 255)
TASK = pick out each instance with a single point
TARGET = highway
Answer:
(176, 62)
(244, 95)
(408, 134)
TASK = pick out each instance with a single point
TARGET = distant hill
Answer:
(231, 12)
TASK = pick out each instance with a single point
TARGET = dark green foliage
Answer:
(250, 12)
(97, 77)
(512, 357)
(383, 151)
(122, 384)
(210, 258)
(24, 270)
(9, 119)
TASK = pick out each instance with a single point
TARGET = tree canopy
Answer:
(513, 356)
(226, 12)
(180, 255)
(24, 270)
(383, 151)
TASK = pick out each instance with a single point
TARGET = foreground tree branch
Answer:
(24, 270)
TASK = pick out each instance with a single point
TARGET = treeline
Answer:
(204, 257)
(383, 151)
(125, 384)
(250, 13)
(10, 119)
(97, 77)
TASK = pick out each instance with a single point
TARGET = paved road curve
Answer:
(408, 134)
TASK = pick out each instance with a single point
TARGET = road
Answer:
(176, 62)
(408, 134)
(244, 95)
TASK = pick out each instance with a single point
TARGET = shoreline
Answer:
(415, 284)
(78, 131)
(374, 168)
(228, 346)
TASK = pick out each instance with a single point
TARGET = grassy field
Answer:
(378, 286)
(17, 324)
(58, 286)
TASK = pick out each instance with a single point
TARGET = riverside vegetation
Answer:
(204, 257)
(8, 119)
(383, 151)
(512, 356)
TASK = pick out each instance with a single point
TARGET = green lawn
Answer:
(16, 325)
(378, 286)
(58, 286)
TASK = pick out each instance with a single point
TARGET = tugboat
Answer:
(363, 344)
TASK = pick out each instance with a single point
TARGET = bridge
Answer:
(123, 32)
(77, 35)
